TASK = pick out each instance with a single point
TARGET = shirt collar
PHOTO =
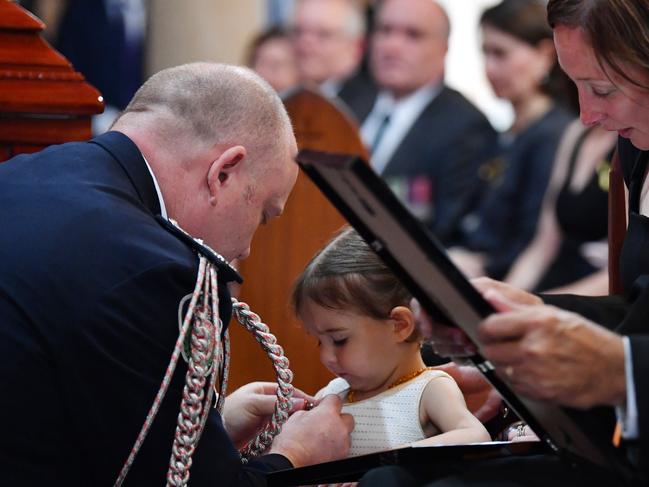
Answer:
(163, 208)
(331, 87)
(386, 102)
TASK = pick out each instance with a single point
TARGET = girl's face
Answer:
(612, 102)
(355, 347)
(515, 69)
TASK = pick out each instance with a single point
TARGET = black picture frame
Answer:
(422, 264)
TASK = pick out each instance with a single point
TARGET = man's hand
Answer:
(550, 354)
(248, 408)
(450, 341)
(446, 341)
(315, 436)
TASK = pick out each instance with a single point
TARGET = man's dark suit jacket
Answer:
(447, 144)
(92, 30)
(358, 92)
(90, 284)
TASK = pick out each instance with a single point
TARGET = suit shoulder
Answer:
(456, 99)
(456, 109)
(546, 133)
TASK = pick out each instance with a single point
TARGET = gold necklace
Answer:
(404, 378)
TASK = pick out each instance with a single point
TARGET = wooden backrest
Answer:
(616, 225)
(43, 100)
(281, 249)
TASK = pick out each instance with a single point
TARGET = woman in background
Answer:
(569, 251)
(522, 68)
(271, 56)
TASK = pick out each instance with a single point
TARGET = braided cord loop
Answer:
(202, 365)
(153, 411)
(206, 348)
(267, 340)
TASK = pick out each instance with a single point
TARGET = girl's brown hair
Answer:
(347, 275)
(618, 31)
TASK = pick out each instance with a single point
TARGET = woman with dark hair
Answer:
(521, 66)
(597, 356)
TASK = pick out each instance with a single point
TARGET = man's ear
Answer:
(403, 322)
(222, 168)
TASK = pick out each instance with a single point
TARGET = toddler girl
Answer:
(359, 312)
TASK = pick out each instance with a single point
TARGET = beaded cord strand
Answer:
(208, 357)
(194, 406)
(167, 377)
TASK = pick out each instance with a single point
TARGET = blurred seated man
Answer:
(328, 36)
(426, 139)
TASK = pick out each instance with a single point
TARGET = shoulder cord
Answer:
(268, 342)
(199, 341)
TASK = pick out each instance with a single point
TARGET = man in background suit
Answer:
(426, 139)
(92, 277)
(112, 31)
(329, 39)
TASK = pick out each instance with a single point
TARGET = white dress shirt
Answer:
(163, 208)
(331, 87)
(628, 416)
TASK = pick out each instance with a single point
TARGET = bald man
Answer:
(93, 277)
(329, 37)
(426, 139)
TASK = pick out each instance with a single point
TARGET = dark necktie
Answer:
(380, 132)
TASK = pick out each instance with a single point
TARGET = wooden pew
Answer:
(281, 249)
(43, 100)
